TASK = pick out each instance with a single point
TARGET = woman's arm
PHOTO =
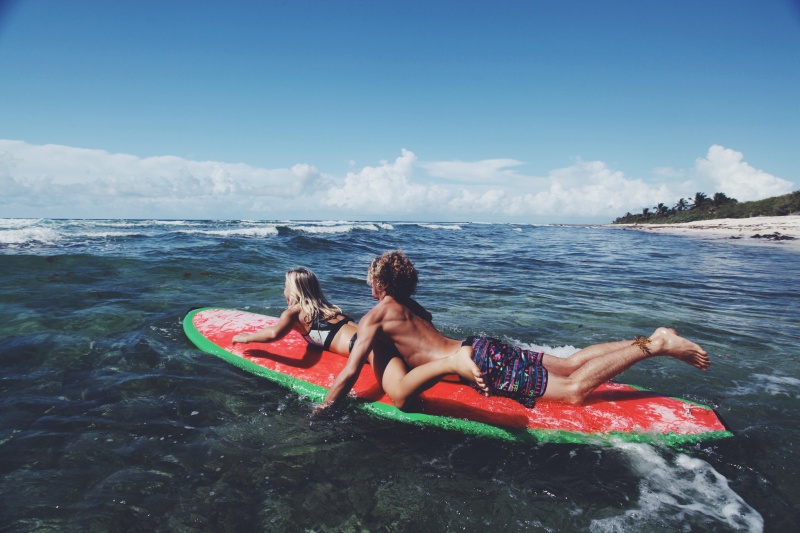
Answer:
(286, 322)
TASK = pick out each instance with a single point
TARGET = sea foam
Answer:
(30, 235)
(672, 490)
(265, 231)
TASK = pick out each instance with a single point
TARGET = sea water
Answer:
(112, 420)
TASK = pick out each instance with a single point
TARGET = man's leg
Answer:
(599, 369)
(565, 366)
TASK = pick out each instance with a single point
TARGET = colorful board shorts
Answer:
(509, 370)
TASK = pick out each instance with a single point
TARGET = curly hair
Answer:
(394, 273)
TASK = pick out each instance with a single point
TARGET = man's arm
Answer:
(367, 332)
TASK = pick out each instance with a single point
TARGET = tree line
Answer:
(704, 207)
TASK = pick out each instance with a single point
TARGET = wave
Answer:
(670, 492)
(263, 231)
(16, 223)
(558, 351)
(339, 227)
(454, 227)
(30, 235)
(758, 384)
(48, 232)
(109, 234)
(123, 223)
(137, 223)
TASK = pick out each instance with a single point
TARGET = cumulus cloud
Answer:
(585, 189)
(62, 181)
(730, 174)
(591, 188)
(386, 188)
(66, 176)
(486, 171)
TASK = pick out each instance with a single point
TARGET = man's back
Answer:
(399, 322)
(415, 338)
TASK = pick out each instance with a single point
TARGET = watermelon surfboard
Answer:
(613, 411)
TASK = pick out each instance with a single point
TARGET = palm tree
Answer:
(646, 212)
(662, 209)
(681, 205)
(720, 198)
(700, 198)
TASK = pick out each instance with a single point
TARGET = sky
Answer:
(535, 111)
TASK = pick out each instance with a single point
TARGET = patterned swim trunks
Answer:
(509, 370)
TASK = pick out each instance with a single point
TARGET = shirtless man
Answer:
(489, 365)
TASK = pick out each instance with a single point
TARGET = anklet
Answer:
(643, 343)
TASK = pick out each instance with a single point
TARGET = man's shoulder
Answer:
(387, 308)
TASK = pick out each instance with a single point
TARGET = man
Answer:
(489, 365)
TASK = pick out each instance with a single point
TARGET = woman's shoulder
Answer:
(294, 312)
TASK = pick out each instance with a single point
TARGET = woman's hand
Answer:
(241, 338)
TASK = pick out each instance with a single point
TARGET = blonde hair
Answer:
(305, 292)
(394, 273)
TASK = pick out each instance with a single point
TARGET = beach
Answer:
(113, 420)
(783, 230)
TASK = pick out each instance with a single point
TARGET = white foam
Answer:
(109, 234)
(773, 385)
(16, 223)
(336, 228)
(172, 222)
(671, 492)
(31, 235)
(265, 231)
(454, 227)
(429, 225)
(141, 223)
(558, 351)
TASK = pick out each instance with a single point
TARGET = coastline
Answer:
(775, 231)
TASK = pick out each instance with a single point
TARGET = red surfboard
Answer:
(614, 410)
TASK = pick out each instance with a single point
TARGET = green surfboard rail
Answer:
(316, 393)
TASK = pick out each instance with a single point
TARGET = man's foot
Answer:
(665, 341)
(465, 367)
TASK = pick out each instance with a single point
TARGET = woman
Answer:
(310, 314)
(324, 325)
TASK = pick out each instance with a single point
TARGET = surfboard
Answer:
(613, 411)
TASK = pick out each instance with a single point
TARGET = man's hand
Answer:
(321, 408)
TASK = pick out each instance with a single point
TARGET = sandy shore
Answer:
(782, 231)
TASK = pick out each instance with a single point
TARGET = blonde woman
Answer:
(309, 313)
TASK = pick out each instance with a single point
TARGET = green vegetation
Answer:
(701, 207)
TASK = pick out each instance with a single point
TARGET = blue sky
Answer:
(526, 111)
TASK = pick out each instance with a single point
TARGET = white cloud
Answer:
(728, 172)
(61, 181)
(486, 171)
(585, 189)
(385, 189)
(63, 177)
(592, 189)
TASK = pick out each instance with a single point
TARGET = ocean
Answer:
(112, 420)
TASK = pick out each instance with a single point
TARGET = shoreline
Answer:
(776, 231)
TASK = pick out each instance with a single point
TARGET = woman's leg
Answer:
(403, 386)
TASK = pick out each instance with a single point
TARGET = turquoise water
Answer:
(112, 421)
